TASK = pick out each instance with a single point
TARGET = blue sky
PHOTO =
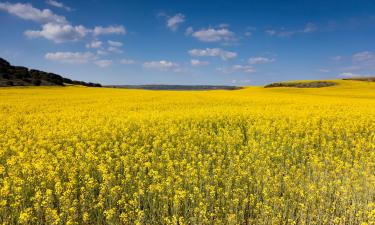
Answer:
(191, 42)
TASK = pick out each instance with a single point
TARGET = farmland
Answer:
(79, 155)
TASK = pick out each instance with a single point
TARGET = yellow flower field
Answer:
(75, 155)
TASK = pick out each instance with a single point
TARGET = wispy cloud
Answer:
(337, 58)
(354, 75)
(260, 60)
(28, 12)
(238, 68)
(308, 28)
(323, 70)
(127, 61)
(103, 63)
(361, 63)
(99, 30)
(114, 49)
(94, 44)
(162, 65)
(363, 56)
(70, 57)
(213, 52)
(175, 21)
(196, 62)
(115, 43)
(58, 5)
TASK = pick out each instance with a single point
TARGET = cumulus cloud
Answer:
(238, 68)
(213, 52)
(94, 44)
(58, 5)
(28, 12)
(175, 21)
(103, 63)
(70, 57)
(99, 30)
(55, 28)
(196, 62)
(127, 61)
(308, 28)
(162, 65)
(260, 60)
(214, 35)
(58, 33)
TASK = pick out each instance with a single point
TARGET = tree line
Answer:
(22, 76)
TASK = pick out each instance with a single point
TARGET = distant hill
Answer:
(176, 87)
(370, 79)
(22, 76)
(302, 84)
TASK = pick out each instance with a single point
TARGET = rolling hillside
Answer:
(22, 76)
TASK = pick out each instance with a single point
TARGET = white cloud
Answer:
(70, 57)
(99, 30)
(361, 61)
(58, 5)
(248, 34)
(55, 28)
(363, 56)
(115, 43)
(241, 81)
(213, 52)
(28, 12)
(196, 62)
(101, 52)
(58, 32)
(189, 30)
(271, 32)
(175, 21)
(308, 28)
(162, 65)
(103, 63)
(238, 68)
(260, 60)
(114, 49)
(352, 75)
(94, 44)
(127, 61)
(322, 70)
(337, 58)
(249, 31)
(214, 35)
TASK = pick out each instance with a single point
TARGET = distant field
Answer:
(176, 87)
(79, 155)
